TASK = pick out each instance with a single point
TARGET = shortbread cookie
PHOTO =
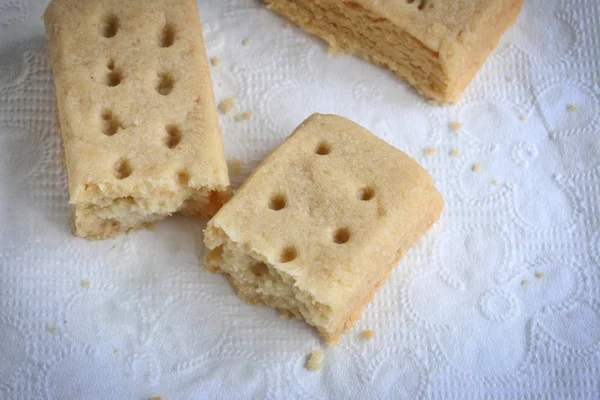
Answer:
(436, 45)
(136, 112)
(319, 225)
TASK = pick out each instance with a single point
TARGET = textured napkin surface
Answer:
(501, 300)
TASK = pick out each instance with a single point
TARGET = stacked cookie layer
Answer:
(435, 45)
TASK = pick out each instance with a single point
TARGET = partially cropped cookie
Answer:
(436, 45)
(319, 225)
(136, 112)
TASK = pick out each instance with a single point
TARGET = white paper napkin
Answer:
(501, 300)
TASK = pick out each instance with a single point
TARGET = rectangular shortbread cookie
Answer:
(136, 112)
(319, 225)
(435, 45)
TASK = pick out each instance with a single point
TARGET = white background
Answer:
(455, 319)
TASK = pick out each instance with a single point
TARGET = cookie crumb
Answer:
(116, 351)
(156, 398)
(571, 107)
(243, 116)
(246, 42)
(215, 61)
(455, 126)
(236, 166)
(315, 361)
(430, 151)
(539, 275)
(454, 153)
(522, 117)
(52, 329)
(152, 227)
(476, 167)
(368, 334)
(287, 25)
(226, 105)
(524, 282)
(85, 284)
(495, 182)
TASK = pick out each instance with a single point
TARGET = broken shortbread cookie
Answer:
(136, 112)
(319, 225)
(436, 45)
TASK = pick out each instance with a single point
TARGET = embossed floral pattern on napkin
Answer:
(500, 300)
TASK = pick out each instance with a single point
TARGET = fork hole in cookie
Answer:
(323, 149)
(110, 26)
(122, 169)
(173, 136)
(114, 77)
(183, 178)
(259, 269)
(110, 123)
(341, 235)
(277, 202)
(352, 4)
(288, 254)
(167, 36)
(366, 193)
(165, 83)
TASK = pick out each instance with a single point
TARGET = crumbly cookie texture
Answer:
(319, 225)
(136, 112)
(435, 45)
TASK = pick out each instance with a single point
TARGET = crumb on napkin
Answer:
(367, 334)
(226, 105)
(455, 126)
(315, 361)
(243, 116)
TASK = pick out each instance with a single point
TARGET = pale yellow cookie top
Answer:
(132, 83)
(328, 198)
(439, 22)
